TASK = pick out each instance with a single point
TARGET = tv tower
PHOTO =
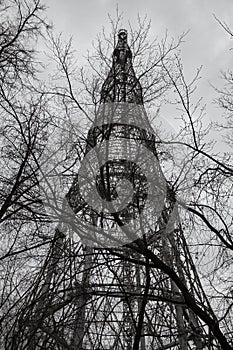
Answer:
(99, 290)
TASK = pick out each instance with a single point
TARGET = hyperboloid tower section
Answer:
(101, 289)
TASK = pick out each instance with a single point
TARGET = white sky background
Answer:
(206, 44)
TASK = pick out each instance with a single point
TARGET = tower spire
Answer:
(121, 84)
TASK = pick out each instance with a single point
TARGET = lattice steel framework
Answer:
(88, 297)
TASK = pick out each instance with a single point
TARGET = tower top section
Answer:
(121, 84)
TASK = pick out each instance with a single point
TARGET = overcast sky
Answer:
(206, 44)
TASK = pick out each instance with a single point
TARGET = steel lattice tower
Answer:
(88, 296)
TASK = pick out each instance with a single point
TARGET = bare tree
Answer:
(23, 133)
(48, 312)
